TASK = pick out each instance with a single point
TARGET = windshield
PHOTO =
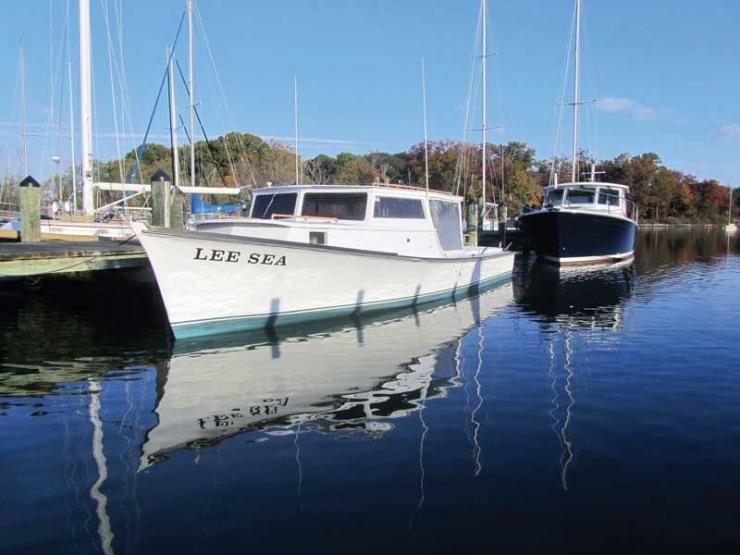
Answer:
(447, 223)
(554, 197)
(581, 196)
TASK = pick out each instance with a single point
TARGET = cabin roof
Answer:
(404, 190)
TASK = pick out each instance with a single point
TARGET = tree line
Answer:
(516, 175)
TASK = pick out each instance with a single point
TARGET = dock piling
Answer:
(177, 210)
(472, 234)
(161, 183)
(30, 201)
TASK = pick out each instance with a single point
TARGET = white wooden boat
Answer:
(351, 380)
(310, 252)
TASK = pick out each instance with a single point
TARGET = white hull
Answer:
(217, 283)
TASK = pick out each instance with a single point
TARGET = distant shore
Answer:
(679, 224)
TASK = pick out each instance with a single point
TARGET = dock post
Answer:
(30, 197)
(177, 210)
(472, 224)
(160, 183)
(502, 224)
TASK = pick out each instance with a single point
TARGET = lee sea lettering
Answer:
(218, 255)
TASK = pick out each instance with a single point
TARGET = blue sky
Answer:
(665, 74)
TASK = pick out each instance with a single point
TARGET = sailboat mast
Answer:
(295, 121)
(191, 107)
(173, 120)
(483, 82)
(576, 88)
(88, 202)
(72, 139)
(426, 136)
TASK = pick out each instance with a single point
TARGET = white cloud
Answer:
(730, 129)
(637, 110)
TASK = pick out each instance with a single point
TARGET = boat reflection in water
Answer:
(587, 297)
(575, 306)
(351, 380)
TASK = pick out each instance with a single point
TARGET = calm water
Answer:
(584, 412)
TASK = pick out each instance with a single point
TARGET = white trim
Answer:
(563, 260)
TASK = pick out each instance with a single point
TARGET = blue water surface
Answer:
(579, 411)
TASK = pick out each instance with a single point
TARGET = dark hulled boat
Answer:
(583, 223)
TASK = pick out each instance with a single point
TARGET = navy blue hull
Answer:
(576, 237)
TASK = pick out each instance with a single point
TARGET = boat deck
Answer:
(18, 260)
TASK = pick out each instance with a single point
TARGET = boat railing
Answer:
(613, 204)
(409, 187)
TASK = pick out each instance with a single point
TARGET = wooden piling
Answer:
(472, 235)
(160, 183)
(177, 210)
(30, 200)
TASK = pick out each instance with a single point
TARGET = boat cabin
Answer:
(385, 218)
(609, 197)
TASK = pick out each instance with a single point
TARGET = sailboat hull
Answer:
(569, 237)
(215, 283)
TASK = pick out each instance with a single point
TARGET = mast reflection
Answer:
(571, 304)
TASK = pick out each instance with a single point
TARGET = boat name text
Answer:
(218, 255)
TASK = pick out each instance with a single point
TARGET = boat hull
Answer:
(568, 237)
(214, 283)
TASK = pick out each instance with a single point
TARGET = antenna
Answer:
(424, 107)
(295, 120)
(189, 4)
(24, 131)
(574, 172)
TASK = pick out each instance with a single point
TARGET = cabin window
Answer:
(581, 196)
(392, 207)
(447, 223)
(343, 206)
(609, 197)
(266, 205)
(554, 197)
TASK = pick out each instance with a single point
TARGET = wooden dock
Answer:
(18, 260)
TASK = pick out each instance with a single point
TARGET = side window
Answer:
(554, 197)
(447, 223)
(609, 196)
(264, 206)
(391, 207)
(343, 206)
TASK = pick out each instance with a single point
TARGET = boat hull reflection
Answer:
(582, 296)
(351, 379)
